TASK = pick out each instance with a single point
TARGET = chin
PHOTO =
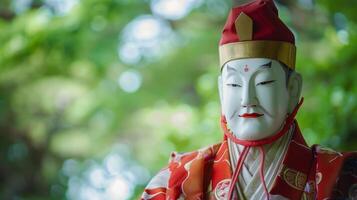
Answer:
(252, 130)
(250, 135)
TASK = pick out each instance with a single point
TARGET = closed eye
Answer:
(234, 85)
(266, 82)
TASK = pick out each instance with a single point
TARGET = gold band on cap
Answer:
(284, 52)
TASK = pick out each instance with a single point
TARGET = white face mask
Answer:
(255, 98)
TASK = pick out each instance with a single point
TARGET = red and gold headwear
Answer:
(254, 30)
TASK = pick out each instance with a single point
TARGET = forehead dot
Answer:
(246, 69)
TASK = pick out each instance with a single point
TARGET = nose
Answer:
(248, 98)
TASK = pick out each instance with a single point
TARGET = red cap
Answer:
(255, 30)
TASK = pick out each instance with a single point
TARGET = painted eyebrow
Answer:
(231, 71)
(231, 68)
(264, 66)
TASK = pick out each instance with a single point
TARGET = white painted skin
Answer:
(257, 85)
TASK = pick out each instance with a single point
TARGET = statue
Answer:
(263, 154)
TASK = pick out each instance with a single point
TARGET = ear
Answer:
(220, 91)
(294, 90)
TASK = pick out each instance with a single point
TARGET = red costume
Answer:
(255, 31)
(306, 173)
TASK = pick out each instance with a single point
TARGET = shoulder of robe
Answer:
(336, 173)
(168, 180)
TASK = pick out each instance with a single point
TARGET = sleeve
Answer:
(167, 184)
(156, 189)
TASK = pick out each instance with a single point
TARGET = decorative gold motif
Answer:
(284, 52)
(294, 178)
(244, 27)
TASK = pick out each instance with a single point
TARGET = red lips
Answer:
(251, 115)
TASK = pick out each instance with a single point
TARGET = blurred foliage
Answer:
(73, 127)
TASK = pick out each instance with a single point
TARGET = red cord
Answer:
(240, 162)
(256, 143)
(262, 160)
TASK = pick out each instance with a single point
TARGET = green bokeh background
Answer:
(73, 126)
